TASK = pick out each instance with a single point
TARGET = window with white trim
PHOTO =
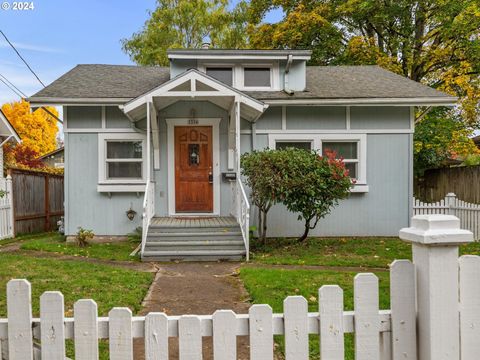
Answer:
(352, 148)
(222, 74)
(257, 77)
(121, 159)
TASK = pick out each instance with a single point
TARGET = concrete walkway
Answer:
(197, 289)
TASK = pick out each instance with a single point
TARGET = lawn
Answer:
(53, 242)
(109, 286)
(344, 251)
(271, 286)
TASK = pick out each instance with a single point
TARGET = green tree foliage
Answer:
(262, 174)
(436, 42)
(186, 24)
(306, 183)
(311, 185)
(439, 137)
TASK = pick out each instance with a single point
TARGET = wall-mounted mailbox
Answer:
(229, 176)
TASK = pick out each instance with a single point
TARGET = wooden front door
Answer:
(193, 169)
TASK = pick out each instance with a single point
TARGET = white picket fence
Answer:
(435, 315)
(6, 208)
(468, 213)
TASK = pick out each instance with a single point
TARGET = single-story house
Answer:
(159, 147)
(55, 158)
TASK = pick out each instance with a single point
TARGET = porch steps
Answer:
(197, 239)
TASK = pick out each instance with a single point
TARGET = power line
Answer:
(10, 87)
(21, 57)
(21, 94)
(16, 88)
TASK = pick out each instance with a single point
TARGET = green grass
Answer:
(53, 242)
(345, 251)
(272, 286)
(109, 286)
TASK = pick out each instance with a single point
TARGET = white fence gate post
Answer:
(435, 240)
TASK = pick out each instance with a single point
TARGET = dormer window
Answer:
(257, 77)
(222, 74)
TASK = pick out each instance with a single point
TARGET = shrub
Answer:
(312, 185)
(84, 236)
(262, 176)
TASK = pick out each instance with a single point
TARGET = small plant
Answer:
(2, 193)
(135, 235)
(84, 236)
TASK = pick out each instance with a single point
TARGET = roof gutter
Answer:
(39, 101)
(432, 101)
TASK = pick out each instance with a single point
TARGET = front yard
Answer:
(54, 242)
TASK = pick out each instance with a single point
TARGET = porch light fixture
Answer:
(131, 213)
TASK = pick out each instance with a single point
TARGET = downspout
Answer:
(287, 70)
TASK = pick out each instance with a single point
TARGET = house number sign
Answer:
(192, 122)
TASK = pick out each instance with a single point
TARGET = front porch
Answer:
(195, 205)
(194, 239)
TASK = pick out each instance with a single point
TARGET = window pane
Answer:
(257, 77)
(124, 150)
(221, 74)
(352, 169)
(346, 150)
(305, 145)
(131, 170)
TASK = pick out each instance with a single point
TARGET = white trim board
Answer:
(102, 151)
(316, 140)
(339, 131)
(171, 123)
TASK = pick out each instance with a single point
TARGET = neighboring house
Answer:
(476, 140)
(165, 142)
(55, 158)
(7, 133)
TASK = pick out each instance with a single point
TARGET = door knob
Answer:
(210, 177)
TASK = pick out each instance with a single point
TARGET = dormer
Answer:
(246, 70)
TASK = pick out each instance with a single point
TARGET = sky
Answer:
(59, 34)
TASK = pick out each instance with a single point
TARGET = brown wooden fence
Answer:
(464, 181)
(37, 200)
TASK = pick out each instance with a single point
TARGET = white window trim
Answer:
(238, 74)
(316, 140)
(102, 162)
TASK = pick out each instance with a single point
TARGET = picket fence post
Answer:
(435, 240)
(450, 202)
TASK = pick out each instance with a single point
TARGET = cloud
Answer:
(30, 47)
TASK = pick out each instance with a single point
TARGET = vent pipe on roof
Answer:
(287, 70)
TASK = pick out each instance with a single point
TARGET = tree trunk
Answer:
(261, 235)
(264, 230)
(307, 229)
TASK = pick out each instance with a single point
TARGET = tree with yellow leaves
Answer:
(38, 129)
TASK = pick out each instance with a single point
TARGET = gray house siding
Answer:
(383, 210)
(84, 206)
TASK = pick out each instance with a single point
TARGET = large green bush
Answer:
(305, 182)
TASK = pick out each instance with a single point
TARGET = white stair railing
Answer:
(148, 211)
(243, 215)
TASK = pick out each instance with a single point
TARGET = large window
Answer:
(121, 158)
(350, 147)
(223, 74)
(257, 77)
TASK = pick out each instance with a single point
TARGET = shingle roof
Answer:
(323, 82)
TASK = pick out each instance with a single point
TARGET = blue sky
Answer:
(58, 34)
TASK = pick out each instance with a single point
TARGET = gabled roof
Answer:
(7, 129)
(118, 84)
(54, 152)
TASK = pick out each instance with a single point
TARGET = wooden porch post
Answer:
(149, 103)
